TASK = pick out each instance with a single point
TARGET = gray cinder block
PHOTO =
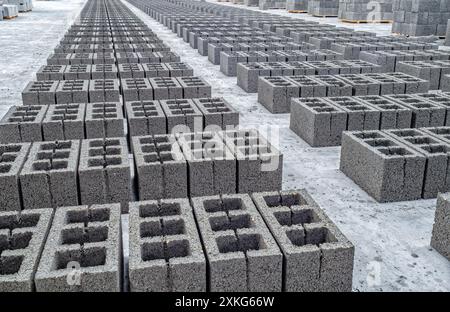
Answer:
(241, 253)
(397, 170)
(131, 71)
(12, 158)
(83, 251)
(155, 70)
(177, 69)
(437, 154)
(393, 115)
(217, 114)
(317, 256)
(136, 89)
(424, 113)
(104, 120)
(106, 90)
(440, 239)
(22, 124)
(259, 163)
(64, 122)
(317, 121)
(72, 91)
(40, 93)
(104, 71)
(437, 98)
(104, 172)
(165, 249)
(22, 239)
(166, 88)
(194, 87)
(211, 164)
(160, 167)
(49, 176)
(275, 93)
(145, 117)
(182, 116)
(77, 72)
(50, 72)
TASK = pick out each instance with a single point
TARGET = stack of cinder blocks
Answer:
(22, 5)
(440, 239)
(272, 4)
(421, 17)
(10, 11)
(297, 5)
(407, 164)
(365, 10)
(323, 8)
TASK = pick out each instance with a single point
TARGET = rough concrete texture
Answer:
(160, 167)
(104, 172)
(317, 256)
(211, 164)
(242, 255)
(49, 176)
(22, 124)
(104, 120)
(12, 158)
(165, 249)
(440, 239)
(64, 122)
(83, 251)
(22, 239)
(145, 117)
(182, 116)
(217, 114)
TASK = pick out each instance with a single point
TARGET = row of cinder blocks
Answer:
(32, 123)
(248, 73)
(110, 47)
(112, 58)
(230, 59)
(179, 115)
(275, 93)
(365, 10)
(433, 71)
(205, 163)
(406, 164)
(389, 59)
(111, 71)
(421, 17)
(323, 8)
(79, 248)
(65, 173)
(321, 121)
(111, 90)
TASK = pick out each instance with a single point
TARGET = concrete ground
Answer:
(392, 240)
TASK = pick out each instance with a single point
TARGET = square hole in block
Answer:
(296, 216)
(162, 227)
(159, 210)
(87, 215)
(394, 151)
(83, 235)
(17, 240)
(240, 242)
(234, 222)
(224, 204)
(10, 264)
(86, 257)
(165, 250)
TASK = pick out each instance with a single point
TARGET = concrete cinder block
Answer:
(64, 122)
(317, 256)
(424, 113)
(22, 239)
(104, 71)
(317, 121)
(166, 88)
(136, 89)
(12, 158)
(440, 239)
(218, 114)
(194, 87)
(437, 154)
(177, 69)
(22, 124)
(275, 93)
(165, 249)
(182, 116)
(86, 241)
(156, 70)
(131, 70)
(437, 98)
(40, 93)
(211, 164)
(49, 175)
(106, 90)
(104, 120)
(77, 72)
(104, 172)
(259, 163)
(241, 253)
(393, 115)
(160, 167)
(145, 117)
(50, 72)
(398, 170)
(72, 91)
